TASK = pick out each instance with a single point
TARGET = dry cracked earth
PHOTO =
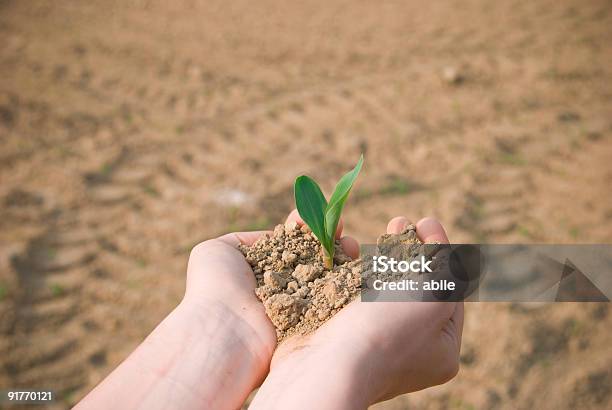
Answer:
(130, 131)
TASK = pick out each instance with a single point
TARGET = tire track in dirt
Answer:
(77, 262)
(515, 196)
(43, 324)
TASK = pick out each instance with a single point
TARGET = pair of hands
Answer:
(218, 344)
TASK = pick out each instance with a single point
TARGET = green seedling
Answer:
(322, 217)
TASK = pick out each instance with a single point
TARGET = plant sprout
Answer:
(322, 217)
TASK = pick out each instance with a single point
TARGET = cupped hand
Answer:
(221, 282)
(217, 345)
(369, 352)
(211, 351)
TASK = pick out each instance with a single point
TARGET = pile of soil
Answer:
(298, 293)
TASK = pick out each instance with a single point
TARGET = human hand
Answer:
(216, 346)
(220, 280)
(211, 351)
(219, 275)
(369, 352)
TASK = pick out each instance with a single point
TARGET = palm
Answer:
(218, 274)
(390, 333)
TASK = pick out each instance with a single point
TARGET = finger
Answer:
(430, 230)
(242, 238)
(295, 216)
(350, 246)
(397, 224)
(339, 229)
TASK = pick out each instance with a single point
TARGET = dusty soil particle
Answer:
(284, 310)
(274, 279)
(306, 273)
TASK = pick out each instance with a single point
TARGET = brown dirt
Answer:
(131, 130)
(298, 293)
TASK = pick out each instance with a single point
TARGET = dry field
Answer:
(131, 130)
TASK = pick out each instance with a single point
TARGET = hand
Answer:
(219, 278)
(219, 275)
(369, 352)
(210, 352)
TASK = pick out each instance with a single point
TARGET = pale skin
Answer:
(218, 345)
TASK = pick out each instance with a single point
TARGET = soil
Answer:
(130, 131)
(298, 292)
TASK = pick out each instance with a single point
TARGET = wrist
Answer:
(323, 377)
(207, 352)
(226, 327)
(197, 357)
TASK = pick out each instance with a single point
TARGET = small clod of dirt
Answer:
(297, 292)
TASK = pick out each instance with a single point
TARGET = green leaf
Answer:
(337, 200)
(311, 205)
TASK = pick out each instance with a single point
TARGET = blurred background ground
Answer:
(131, 130)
